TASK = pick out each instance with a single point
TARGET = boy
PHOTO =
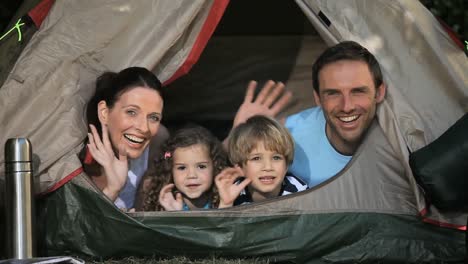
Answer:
(262, 149)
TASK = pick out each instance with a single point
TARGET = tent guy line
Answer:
(17, 26)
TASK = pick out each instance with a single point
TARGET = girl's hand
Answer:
(228, 189)
(115, 169)
(167, 200)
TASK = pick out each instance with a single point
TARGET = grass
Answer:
(179, 260)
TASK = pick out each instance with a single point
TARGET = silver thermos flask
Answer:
(19, 199)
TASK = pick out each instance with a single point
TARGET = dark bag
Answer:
(441, 168)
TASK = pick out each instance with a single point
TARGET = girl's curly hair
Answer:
(163, 170)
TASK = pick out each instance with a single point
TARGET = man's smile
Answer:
(348, 119)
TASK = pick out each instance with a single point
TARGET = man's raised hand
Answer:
(270, 101)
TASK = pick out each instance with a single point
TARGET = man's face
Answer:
(348, 97)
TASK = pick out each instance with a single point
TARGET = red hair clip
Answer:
(167, 155)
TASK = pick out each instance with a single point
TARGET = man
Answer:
(348, 86)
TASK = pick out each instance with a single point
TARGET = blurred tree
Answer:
(7, 10)
(453, 12)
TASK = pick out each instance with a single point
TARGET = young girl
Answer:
(183, 179)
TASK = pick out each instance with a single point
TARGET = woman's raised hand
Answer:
(115, 169)
(167, 200)
(228, 189)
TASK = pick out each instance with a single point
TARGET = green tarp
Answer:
(78, 221)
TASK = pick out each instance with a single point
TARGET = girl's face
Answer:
(192, 171)
(133, 120)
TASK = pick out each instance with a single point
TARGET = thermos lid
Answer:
(18, 155)
(18, 149)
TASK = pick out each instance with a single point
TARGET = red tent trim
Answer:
(216, 12)
(87, 160)
(39, 13)
(451, 33)
(62, 182)
(438, 223)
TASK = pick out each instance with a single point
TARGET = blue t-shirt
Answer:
(315, 159)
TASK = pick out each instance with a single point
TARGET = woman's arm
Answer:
(114, 170)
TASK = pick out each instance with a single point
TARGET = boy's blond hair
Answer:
(245, 137)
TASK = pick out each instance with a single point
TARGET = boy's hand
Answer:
(115, 169)
(228, 189)
(167, 200)
(266, 103)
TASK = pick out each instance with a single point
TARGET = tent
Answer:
(372, 211)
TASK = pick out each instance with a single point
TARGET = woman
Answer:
(124, 117)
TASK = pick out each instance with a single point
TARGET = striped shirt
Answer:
(291, 184)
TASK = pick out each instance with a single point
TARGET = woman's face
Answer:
(133, 120)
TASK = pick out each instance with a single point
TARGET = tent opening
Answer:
(251, 42)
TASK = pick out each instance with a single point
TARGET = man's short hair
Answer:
(347, 50)
(245, 137)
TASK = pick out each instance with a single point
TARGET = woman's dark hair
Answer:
(347, 50)
(110, 86)
(182, 138)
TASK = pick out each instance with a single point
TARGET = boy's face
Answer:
(266, 169)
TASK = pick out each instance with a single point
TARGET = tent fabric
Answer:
(207, 30)
(371, 210)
